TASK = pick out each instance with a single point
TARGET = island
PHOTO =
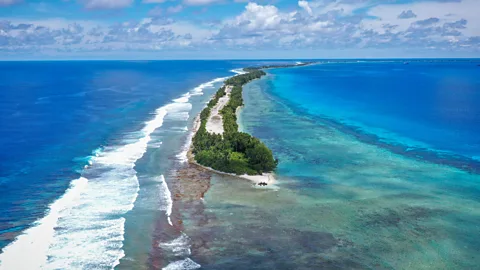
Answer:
(218, 145)
(297, 64)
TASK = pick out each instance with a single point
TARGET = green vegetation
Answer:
(234, 152)
(250, 69)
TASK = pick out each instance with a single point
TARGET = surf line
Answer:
(35, 240)
(181, 245)
(83, 207)
(116, 175)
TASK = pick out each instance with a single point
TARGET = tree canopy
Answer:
(234, 152)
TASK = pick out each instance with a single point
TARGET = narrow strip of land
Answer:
(215, 120)
(218, 145)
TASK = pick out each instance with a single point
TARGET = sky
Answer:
(238, 29)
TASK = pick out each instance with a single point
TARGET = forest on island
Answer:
(234, 152)
(249, 69)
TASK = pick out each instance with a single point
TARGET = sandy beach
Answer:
(215, 125)
(215, 121)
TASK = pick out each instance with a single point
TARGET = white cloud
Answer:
(259, 17)
(55, 23)
(306, 6)
(341, 24)
(445, 11)
(407, 14)
(325, 25)
(61, 35)
(266, 26)
(344, 7)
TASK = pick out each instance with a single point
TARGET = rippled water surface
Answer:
(343, 200)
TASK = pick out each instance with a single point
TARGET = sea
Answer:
(379, 166)
(82, 144)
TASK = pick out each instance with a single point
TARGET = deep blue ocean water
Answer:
(88, 122)
(375, 171)
(365, 180)
(421, 106)
(55, 114)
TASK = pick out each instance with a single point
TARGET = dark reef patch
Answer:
(267, 250)
(387, 217)
(410, 196)
(410, 220)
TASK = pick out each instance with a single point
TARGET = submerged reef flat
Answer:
(341, 203)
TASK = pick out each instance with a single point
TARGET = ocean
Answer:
(379, 164)
(82, 144)
(423, 106)
(350, 192)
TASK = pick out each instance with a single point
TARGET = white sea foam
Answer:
(179, 246)
(91, 231)
(181, 107)
(179, 111)
(183, 99)
(180, 128)
(156, 144)
(85, 227)
(186, 264)
(199, 89)
(238, 71)
(35, 241)
(166, 203)
(183, 155)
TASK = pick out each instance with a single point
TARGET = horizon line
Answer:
(242, 59)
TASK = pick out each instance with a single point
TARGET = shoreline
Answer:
(238, 112)
(267, 178)
(261, 180)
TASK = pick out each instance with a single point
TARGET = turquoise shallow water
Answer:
(344, 199)
(425, 109)
(340, 203)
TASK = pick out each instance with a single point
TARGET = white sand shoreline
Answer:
(238, 113)
(215, 120)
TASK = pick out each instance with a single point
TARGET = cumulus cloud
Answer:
(427, 22)
(460, 24)
(306, 6)
(408, 14)
(336, 25)
(27, 35)
(266, 26)
(106, 4)
(326, 24)
(150, 34)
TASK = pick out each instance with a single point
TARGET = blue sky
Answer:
(231, 29)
